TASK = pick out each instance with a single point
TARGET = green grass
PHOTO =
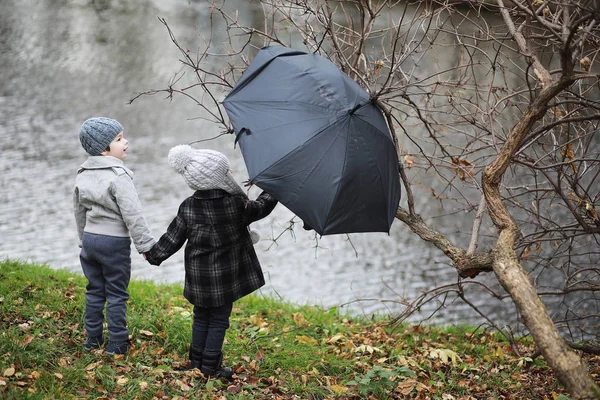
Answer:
(277, 349)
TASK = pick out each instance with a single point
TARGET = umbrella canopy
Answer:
(311, 138)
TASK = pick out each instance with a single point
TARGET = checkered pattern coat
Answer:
(221, 265)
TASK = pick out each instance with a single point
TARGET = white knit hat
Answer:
(205, 169)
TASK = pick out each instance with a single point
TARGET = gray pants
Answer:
(106, 263)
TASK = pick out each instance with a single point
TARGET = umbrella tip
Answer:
(239, 134)
(356, 107)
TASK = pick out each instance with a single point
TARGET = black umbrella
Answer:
(311, 137)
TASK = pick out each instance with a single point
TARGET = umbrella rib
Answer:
(337, 192)
(297, 148)
(290, 102)
(294, 194)
(378, 168)
(342, 116)
(389, 137)
(296, 122)
(372, 157)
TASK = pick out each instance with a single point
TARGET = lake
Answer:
(65, 61)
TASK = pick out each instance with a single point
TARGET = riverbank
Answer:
(278, 351)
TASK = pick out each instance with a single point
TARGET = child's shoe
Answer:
(93, 343)
(211, 366)
(117, 347)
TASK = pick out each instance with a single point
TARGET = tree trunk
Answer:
(568, 366)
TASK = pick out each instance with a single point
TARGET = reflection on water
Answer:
(65, 62)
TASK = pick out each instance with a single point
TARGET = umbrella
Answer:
(311, 137)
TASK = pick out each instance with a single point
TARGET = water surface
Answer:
(63, 62)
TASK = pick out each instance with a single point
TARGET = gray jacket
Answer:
(106, 202)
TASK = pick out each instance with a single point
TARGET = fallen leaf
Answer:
(92, 366)
(407, 386)
(146, 333)
(143, 385)
(524, 360)
(58, 375)
(499, 353)
(258, 321)
(184, 387)
(305, 339)
(338, 389)
(260, 355)
(26, 340)
(9, 371)
(367, 349)
(299, 319)
(122, 380)
(253, 366)
(234, 389)
(335, 339)
(444, 355)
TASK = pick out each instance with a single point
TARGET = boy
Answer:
(107, 212)
(221, 265)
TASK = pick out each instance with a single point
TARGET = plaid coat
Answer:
(221, 265)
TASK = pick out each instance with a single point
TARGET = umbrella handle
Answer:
(237, 136)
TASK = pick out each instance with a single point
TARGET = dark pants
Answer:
(209, 326)
(106, 263)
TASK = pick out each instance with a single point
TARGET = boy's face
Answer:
(118, 147)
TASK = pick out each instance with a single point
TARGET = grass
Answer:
(278, 351)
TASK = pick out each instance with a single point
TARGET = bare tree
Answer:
(509, 124)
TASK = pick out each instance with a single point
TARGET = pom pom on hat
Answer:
(180, 156)
(97, 133)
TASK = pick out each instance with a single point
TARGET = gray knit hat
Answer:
(97, 133)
